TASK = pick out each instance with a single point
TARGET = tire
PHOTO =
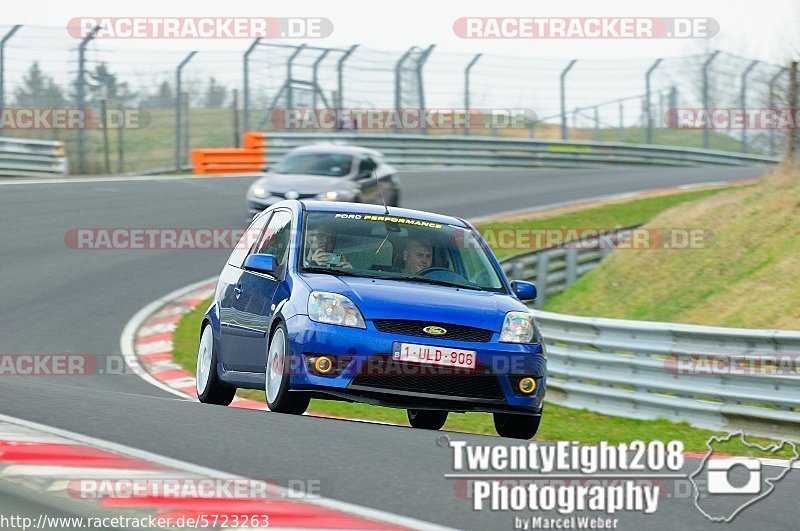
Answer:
(516, 426)
(276, 376)
(426, 419)
(210, 389)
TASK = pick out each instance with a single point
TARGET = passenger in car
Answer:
(321, 242)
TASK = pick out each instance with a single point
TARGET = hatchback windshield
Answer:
(328, 164)
(397, 248)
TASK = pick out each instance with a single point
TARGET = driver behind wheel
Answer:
(417, 256)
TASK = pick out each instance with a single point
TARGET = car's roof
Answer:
(361, 208)
(336, 148)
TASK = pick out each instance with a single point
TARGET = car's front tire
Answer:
(278, 369)
(210, 389)
(426, 419)
(516, 426)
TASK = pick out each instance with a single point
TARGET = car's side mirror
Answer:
(364, 174)
(261, 263)
(525, 291)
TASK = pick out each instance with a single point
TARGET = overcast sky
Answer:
(765, 30)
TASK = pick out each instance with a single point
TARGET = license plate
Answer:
(450, 357)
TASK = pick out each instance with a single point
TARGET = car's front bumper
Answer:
(367, 352)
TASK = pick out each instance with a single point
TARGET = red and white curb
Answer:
(147, 342)
(87, 474)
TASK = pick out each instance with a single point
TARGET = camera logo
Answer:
(725, 486)
(720, 472)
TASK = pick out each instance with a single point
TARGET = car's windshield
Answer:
(397, 248)
(328, 164)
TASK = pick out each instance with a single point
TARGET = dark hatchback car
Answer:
(328, 173)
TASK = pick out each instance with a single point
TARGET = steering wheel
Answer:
(423, 272)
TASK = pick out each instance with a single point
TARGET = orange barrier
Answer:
(250, 158)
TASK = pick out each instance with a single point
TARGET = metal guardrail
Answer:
(32, 158)
(404, 150)
(712, 377)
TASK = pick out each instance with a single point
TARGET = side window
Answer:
(367, 164)
(275, 239)
(248, 241)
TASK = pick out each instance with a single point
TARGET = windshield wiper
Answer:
(438, 282)
(333, 271)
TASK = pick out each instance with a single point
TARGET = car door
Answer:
(231, 303)
(255, 298)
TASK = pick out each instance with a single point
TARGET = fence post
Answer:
(315, 78)
(340, 77)
(467, 102)
(81, 95)
(398, 66)
(743, 98)
(772, 106)
(3, 41)
(104, 121)
(563, 98)
(179, 109)
(185, 127)
(246, 85)
(706, 64)
(596, 124)
(120, 148)
(290, 79)
(421, 85)
(791, 134)
(621, 121)
(648, 112)
(237, 138)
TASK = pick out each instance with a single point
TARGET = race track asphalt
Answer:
(62, 300)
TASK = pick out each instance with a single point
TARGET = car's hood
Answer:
(386, 299)
(304, 184)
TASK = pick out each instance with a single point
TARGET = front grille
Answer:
(414, 328)
(383, 372)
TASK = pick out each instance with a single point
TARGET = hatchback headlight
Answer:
(518, 327)
(337, 195)
(333, 308)
(259, 191)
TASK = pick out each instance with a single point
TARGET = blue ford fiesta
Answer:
(370, 304)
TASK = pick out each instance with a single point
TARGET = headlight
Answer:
(337, 195)
(332, 308)
(518, 327)
(259, 191)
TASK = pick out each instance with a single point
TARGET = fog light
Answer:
(323, 365)
(527, 385)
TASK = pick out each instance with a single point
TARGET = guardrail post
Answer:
(772, 82)
(467, 71)
(340, 77)
(743, 99)
(421, 85)
(81, 96)
(542, 266)
(648, 112)
(246, 84)
(706, 64)
(562, 92)
(3, 41)
(179, 110)
(571, 259)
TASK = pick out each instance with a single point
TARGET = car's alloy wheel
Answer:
(279, 398)
(516, 426)
(426, 419)
(210, 389)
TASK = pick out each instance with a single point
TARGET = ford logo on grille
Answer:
(292, 194)
(434, 330)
